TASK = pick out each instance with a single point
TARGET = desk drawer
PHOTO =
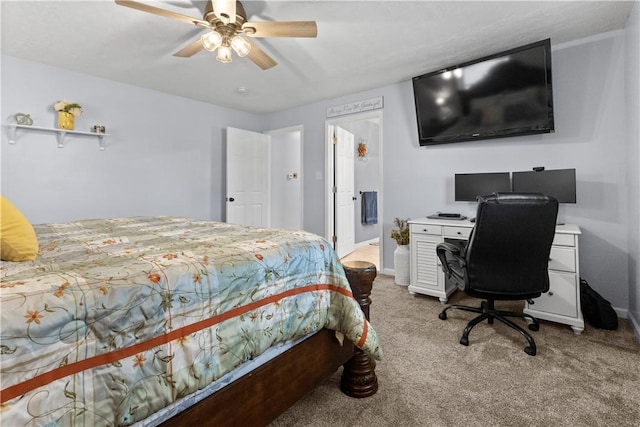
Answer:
(426, 229)
(457, 232)
(564, 240)
(561, 299)
(562, 259)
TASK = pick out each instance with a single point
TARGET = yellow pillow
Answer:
(18, 241)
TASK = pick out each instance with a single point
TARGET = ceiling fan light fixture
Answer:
(240, 45)
(228, 30)
(224, 54)
(211, 40)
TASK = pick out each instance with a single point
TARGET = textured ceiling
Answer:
(360, 45)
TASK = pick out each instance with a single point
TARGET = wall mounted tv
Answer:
(506, 94)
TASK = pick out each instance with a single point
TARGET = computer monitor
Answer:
(559, 183)
(468, 186)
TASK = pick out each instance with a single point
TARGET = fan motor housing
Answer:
(211, 18)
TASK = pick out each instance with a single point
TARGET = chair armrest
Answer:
(454, 252)
(443, 248)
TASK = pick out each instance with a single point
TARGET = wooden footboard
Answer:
(262, 395)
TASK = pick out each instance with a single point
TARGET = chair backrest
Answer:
(508, 250)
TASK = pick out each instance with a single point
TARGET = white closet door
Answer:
(247, 178)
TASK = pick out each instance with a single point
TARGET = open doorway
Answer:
(286, 177)
(264, 177)
(354, 167)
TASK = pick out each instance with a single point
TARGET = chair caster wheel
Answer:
(530, 351)
(533, 326)
(465, 341)
(443, 315)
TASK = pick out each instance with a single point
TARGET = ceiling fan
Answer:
(227, 25)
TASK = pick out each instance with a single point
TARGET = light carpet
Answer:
(427, 378)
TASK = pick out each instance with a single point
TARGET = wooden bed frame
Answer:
(260, 396)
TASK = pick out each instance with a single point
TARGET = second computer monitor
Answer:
(559, 183)
(468, 186)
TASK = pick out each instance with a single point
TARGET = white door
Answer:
(344, 194)
(247, 178)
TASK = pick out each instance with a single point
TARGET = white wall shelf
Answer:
(60, 134)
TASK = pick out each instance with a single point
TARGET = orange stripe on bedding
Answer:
(103, 359)
(363, 338)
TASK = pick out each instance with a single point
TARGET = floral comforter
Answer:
(117, 318)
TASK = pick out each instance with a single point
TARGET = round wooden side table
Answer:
(359, 377)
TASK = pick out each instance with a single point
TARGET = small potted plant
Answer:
(401, 234)
(67, 112)
(401, 255)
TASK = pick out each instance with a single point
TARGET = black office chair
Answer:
(506, 258)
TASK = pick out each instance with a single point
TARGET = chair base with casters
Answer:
(488, 312)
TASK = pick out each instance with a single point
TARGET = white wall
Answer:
(165, 154)
(286, 192)
(590, 115)
(632, 88)
(312, 118)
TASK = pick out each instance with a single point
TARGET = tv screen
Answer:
(560, 183)
(468, 186)
(505, 94)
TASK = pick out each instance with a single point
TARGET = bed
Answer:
(121, 321)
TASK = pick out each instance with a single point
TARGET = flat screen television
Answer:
(468, 186)
(559, 183)
(505, 94)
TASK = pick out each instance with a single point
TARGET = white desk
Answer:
(561, 304)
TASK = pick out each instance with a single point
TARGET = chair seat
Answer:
(502, 296)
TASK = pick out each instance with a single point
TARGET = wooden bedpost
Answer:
(359, 377)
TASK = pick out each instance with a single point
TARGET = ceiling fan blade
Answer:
(259, 57)
(225, 10)
(162, 12)
(282, 29)
(190, 50)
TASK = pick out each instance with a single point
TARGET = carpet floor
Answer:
(426, 378)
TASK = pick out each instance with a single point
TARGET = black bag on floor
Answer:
(596, 310)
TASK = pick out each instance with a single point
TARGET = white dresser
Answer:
(561, 304)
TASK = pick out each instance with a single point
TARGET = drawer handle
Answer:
(425, 230)
(458, 232)
(550, 293)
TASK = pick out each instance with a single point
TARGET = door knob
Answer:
(354, 198)
(231, 199)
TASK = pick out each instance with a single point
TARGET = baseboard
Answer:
(633, 321)
(389, 271)
(635, 325)
(622, 313)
